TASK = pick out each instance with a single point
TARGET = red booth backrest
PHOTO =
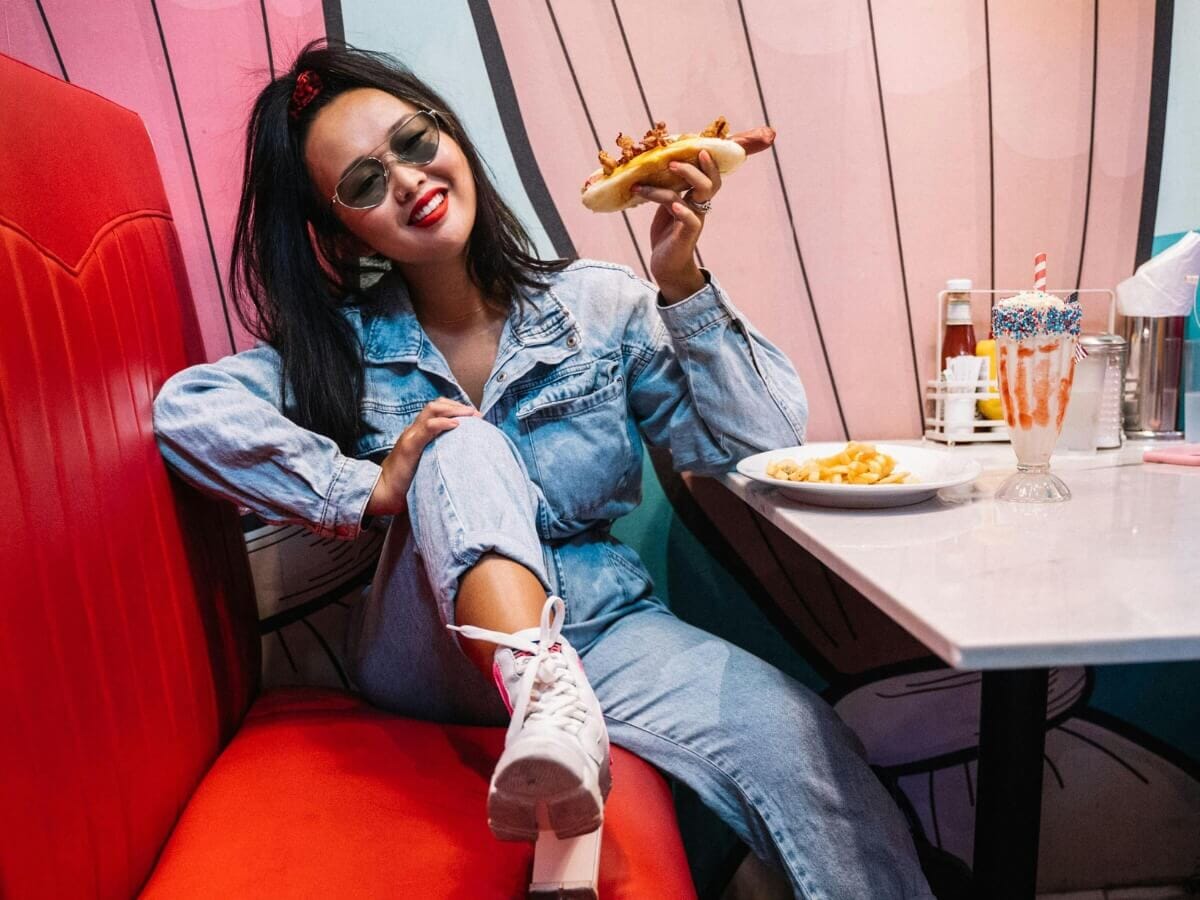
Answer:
(128, 651)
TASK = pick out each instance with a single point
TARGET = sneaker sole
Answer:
(539, 792)
(563, 894)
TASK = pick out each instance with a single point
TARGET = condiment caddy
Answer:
(982, 393)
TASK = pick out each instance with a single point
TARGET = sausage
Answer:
(755, 140)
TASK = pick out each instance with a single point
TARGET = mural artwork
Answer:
(918, 140)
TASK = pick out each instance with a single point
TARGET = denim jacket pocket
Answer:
(383, 423)
(577, 432)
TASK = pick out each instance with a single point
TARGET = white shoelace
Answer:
(557, 702)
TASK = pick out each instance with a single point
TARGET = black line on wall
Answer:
(837, 599)
(1124, 763)
(286, 652)
(514, 129)
(937, 832)
(335, 28)
(262, 8)
(292, 614)
(632, 65)
(587, 113)
(1157, 746)
(694, 517)
(987, 49)
(638, 80)
(187, 143)
(320, 638)
(887, 149)
(991, 154)
(787, 204)
(1087, 201)
(1054, 769)
(791, 583)
(53, 42)
(1164, 20)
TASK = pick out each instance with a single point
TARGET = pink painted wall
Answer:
(901, 159)
(215, 59)
(918, 140)
(851, 267)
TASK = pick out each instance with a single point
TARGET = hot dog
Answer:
(610, 188)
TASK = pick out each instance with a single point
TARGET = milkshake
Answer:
(1036, 335)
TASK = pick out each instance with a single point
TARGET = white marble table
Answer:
(1112, 576)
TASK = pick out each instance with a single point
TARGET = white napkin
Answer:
(962, 374)
(1160, 285)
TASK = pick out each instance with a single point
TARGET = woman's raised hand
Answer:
(400, 465)
(677, 227)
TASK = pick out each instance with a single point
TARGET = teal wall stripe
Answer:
(439, 43)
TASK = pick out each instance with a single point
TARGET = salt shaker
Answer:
(1110, 351)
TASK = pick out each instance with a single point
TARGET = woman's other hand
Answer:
(677, 226)
(400, 465)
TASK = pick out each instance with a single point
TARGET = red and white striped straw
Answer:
(1039, 272)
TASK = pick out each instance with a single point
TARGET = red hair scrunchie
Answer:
(308, 85)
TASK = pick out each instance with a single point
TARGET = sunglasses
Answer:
(413, 142)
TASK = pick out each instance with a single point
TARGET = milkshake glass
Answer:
(1036, 335)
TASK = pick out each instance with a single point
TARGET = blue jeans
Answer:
(768, 755)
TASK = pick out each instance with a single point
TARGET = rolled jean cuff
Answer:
(473, 549)
(457, 517)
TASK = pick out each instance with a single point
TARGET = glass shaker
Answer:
(1111, 352)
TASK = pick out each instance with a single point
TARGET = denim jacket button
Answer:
(572, 340)
(501, 377)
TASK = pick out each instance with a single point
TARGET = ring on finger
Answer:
(700, 206)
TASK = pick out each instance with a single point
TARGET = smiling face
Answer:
(427, 212)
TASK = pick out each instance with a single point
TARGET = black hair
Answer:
(292, 266)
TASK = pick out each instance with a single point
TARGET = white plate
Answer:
(933, 469)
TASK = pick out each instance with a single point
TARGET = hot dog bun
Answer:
(610, 188)
(615, 192)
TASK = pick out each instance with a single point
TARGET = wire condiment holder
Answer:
(937, 391)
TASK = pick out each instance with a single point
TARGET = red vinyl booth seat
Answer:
(135, 752)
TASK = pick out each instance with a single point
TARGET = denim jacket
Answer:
(591, 367)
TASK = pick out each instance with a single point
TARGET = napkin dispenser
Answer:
(1150, 407)
(1156, 301)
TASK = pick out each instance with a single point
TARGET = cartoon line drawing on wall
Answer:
(917, 141)
(1107, 782)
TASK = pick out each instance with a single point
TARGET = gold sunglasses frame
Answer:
(387, 172)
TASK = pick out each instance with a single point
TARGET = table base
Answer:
(1008, 810)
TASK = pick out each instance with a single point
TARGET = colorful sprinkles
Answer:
(1019, 321)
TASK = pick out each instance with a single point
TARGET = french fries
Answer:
(855, 464)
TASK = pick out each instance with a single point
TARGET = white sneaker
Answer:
(554, 773)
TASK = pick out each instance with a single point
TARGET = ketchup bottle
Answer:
(959, 339)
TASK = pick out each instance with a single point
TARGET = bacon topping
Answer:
(718, 129)
(654, 138)
(753, 141)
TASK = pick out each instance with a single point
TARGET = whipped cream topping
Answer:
(1035, 299)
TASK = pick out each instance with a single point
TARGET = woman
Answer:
(494, 404)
